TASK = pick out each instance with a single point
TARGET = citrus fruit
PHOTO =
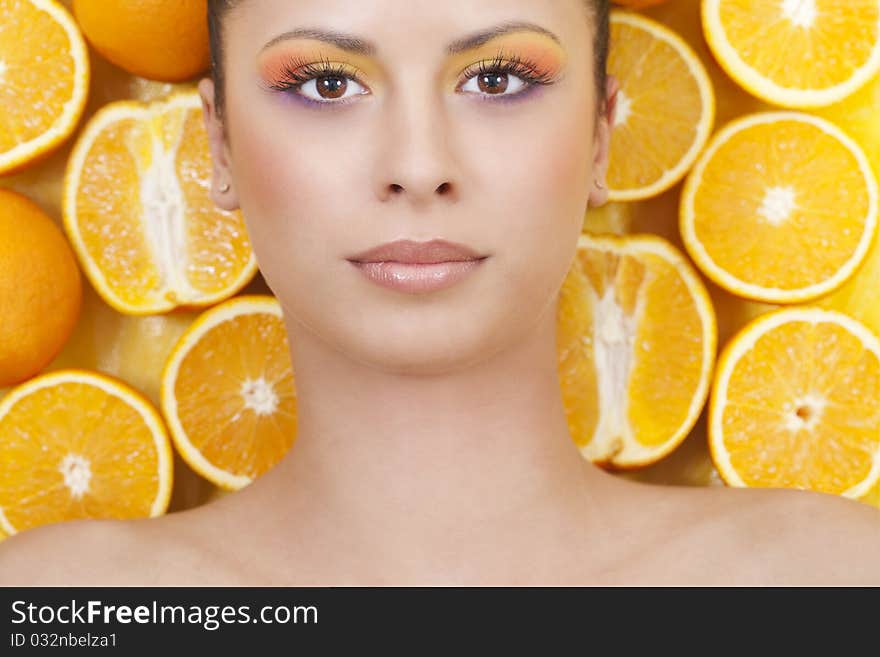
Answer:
(872, 497)
(796, 404)
(636, 341)
(781, 207)
(227, 391)
(83, 445)
(40, 288)
(44, 80)
(138, 212)
(665, 107)
(857, 116)
(157, 39)
(859, 296)
(615, 217)
(795, 53)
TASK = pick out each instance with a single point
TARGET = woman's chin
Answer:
(422, 353)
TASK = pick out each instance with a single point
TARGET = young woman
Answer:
(432, 446)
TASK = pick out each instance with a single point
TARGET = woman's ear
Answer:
(602, 145)
(222, 190)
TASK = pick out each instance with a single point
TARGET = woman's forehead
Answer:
(367, 25)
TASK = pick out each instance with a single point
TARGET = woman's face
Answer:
(415, 143)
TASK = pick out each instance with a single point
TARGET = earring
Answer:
(224, 188)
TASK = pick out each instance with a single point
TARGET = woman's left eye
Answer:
(329, 89)
(494, 83)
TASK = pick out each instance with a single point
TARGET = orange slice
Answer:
(796, 404)
(138, 212)
(228, 392)
(795, 53)
(80, 444)
(781, 207)
(665, 107)
(44, 80)
(636, 340)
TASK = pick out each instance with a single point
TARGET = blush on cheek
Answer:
(268, 177)
(561, 164)
(266, 185)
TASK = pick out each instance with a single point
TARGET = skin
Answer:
(432, 446)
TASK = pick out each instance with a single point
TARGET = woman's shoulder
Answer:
(166, 551)
(817, 538)
(75, 552)
(780, 537)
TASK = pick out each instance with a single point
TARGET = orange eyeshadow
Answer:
(273, 62)
(545, 53)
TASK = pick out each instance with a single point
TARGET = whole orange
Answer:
(40, 288)
(163, 40)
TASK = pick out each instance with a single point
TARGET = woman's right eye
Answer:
(329, 89)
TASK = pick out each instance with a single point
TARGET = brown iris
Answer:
(493, 82)
(331, 87)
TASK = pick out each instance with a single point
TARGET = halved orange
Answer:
(796, 404)
(781, 207)
(795, 53)
(636, 340)
(80, 444)
(44, 80)
(665, 107)
(138, 212)
(228, 392)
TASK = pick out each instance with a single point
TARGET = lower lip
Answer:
(417, 278)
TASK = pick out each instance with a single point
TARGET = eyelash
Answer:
(296, 72)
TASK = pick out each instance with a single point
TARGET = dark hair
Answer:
(217, 9)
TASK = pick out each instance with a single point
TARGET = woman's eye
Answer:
(494, 83)
(329, 89)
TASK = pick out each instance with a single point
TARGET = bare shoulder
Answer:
(75, 553)
(170, 550)
(723, 536)
(815, 538)
(782, 537)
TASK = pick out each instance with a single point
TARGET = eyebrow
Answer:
(361, 46)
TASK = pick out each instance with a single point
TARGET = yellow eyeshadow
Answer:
(543, 51)
(272, 62)
(547, 55)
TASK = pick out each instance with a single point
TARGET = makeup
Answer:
(273, 61)
(417, 278)
(290, 65)
(543, 55)
(505, 68)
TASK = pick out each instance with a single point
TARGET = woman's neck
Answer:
(428, 470)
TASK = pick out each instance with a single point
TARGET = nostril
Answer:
(396, 189)
(442, 189)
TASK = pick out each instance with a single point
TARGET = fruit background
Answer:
(135, 348)
(858, 115)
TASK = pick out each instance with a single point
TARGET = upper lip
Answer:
(412, 252)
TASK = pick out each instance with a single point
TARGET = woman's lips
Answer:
(416, 278)
(417, 267)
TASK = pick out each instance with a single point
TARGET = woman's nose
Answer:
(416, 160)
